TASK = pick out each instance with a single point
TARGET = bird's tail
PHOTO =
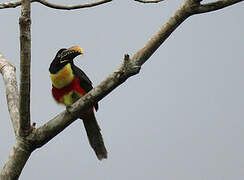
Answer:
(94, 135)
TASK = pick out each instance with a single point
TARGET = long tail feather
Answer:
(94, 135)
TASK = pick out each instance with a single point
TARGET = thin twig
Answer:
(9, 77)
(213, 6)
(63, 7)
(25, 63)
(149, 1)
(55, 6)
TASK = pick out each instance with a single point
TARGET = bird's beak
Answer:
(77, 49)
(70, 53)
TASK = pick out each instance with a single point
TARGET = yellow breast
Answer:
(63, 77)
(70, 98)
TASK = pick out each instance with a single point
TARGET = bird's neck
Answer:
(63, 77)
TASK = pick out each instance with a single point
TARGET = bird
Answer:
(70, 83)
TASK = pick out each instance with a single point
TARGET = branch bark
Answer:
(25, 63)
(9, 76)
(55, 6)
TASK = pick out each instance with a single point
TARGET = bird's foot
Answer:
(68, 109)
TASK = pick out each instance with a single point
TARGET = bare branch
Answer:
(25, 63)
(9, 77)
(149, 1)
(141, 56)
(87, 5)
(55, 6)
(213, 6)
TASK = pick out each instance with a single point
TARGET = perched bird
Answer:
(69, 83)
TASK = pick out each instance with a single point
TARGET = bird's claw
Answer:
(68, 109)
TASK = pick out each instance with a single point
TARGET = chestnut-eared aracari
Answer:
(69, 83)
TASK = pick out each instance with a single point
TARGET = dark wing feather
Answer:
(85, 82)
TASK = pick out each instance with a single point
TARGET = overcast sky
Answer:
(181, 118)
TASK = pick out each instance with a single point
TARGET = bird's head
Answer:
(63, 57)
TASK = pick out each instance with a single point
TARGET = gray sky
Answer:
(181, 118)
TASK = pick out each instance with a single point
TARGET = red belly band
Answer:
(58, 93)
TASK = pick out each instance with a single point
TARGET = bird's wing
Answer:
(85, 82)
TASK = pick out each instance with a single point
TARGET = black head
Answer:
(63, 57)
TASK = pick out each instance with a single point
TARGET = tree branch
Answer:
(149, 1)
(12, 4)
(9, 77)
(141, 56)
(55, 6)
(213, 6)
(25, 63)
